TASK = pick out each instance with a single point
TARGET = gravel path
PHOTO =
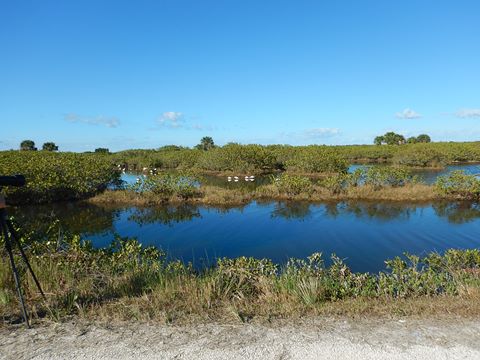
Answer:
(308, 339)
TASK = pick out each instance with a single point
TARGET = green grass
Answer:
(129, 282)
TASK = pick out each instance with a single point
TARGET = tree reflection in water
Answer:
(166, 215)
(458, 212)
(76, 217)
(291, 210)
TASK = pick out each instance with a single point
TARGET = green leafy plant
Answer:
(459, 185)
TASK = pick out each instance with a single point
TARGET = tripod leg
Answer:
(13, 235)
(18, 285)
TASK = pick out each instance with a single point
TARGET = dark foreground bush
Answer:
(56, 176)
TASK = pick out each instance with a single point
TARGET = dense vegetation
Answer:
(129, 281)
(236, 158)
(391, 138)
(55, 176)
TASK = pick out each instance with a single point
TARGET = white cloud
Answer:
(408, 114)
(171, 119)
(468, 113)
(111, 122)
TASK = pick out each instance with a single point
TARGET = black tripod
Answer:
(11, 239)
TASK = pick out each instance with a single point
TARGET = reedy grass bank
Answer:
(129, 282)
(214, 195)
(376, 183)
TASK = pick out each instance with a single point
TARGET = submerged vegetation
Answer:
(129, 281)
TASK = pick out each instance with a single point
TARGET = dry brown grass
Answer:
(214, 195)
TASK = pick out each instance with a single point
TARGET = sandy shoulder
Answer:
(306, 339)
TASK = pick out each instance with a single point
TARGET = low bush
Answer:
(316, 159)
(420, 155)
(292, 184)
(166, 185)
(382, 176)
(459, 185)
(55, 176)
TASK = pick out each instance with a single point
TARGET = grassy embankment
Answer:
(129, 282)
(376, 183)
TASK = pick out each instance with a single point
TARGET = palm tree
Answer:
(206, 143)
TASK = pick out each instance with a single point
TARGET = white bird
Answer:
(235, 179)
(229, 178)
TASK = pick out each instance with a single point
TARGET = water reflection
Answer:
(77, 217)
(372, 210)
(291, 210)
(166, 215)
(458, 212)
(365, 233)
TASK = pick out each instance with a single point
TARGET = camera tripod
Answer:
(11, 239)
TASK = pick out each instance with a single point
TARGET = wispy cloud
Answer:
(306, 135)
(171, 119)
(321, 133)
(408, 114)
(468, 113)
(111, 122)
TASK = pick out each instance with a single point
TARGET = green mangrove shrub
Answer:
(53, 176)
(459, 185)
(385, 176)
(316, 159)
(166, 185)
(420, 155)
(292, 184)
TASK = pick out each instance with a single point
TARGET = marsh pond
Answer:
(363, 233)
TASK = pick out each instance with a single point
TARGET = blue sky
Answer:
(142, 74)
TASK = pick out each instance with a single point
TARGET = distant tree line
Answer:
(392, 138)
(206, 143)
(29, 145)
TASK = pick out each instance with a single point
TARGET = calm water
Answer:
(365, 234)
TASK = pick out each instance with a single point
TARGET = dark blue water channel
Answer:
(364, 234)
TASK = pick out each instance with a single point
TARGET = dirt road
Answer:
(318, 338)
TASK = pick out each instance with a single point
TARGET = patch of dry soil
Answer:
(319, 338)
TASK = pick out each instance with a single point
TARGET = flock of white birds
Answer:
(153, 171)
(236, 178)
